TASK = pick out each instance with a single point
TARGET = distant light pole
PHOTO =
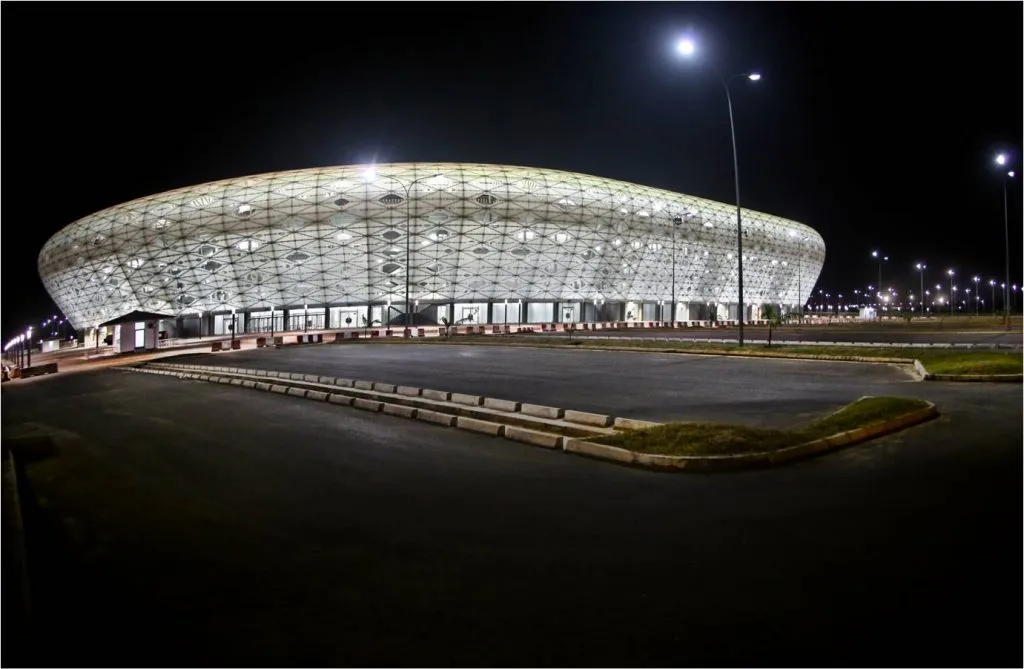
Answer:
(1001, 160)
(977, 297)
(921, 267)
(877, 254)
(992, 283)
(28, 351)
(272, 323)
(951, 300)
(233, 328)
(687, 47)
(410, 317)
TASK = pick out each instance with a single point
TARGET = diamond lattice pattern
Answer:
(458, 232)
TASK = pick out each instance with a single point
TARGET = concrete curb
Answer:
(719, 463)
(974, 378)
(386, 391)
(537, 425)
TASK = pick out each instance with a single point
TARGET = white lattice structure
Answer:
(458, 233)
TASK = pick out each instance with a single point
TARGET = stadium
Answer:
(341, 247)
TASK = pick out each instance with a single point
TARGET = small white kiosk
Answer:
(135, 331)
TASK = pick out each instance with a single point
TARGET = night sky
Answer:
(874, 123)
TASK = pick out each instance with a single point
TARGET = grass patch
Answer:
(937, 361)
(698, 439)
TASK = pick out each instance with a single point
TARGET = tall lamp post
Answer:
(409, 316)
(951, 299)
(921, 267)
(992, 283)
(977, 297)
(1001, 160)
(687, 48)
(28, 349)
(877, 254)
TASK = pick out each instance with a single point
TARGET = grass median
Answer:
(937, 361)
(700, 439)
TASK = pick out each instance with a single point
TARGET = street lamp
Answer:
(921, 267)
(28, 350)
(877, 254)
(232, 328)
(686, 47)
(410, 317)
(977, 296)
(992, 283)
(951, 300)
(1001, 160)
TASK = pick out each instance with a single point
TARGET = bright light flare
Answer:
(686, 47)
(754, 76)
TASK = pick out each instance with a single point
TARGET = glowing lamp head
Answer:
(686, 47)
(1001, 159)
(754, 76)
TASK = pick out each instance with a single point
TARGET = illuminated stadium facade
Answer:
(339, 247)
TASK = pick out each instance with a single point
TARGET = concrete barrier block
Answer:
(318, 395)
(436, 394)
(343, 400)
(408, 390)
(273, 373)
(343, 383)
(298, 392)
(469, 400)
(662, 461)
(632, 424)
(328, 380)
(584, 447)
(367, 405)
(313, 378)
(236, 382)
(363, 385)
(587, 418)
(435, 417)
(482, 426)
(262, 372)
(384, 387)
(261, 386)
(279, 389)
(223, 379)
(295, 376)
(248, 384)
(400, 410)
(533, 437)
(541, 411)
(501, 405)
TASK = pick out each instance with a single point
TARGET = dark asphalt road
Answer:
(648, 386)
(215, 525)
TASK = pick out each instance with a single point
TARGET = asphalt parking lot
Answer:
(201, 524)
(647, 386)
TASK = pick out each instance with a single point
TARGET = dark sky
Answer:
(875, 123)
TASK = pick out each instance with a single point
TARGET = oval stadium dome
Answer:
(339, 247)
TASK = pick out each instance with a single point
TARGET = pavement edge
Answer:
(809, 449)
